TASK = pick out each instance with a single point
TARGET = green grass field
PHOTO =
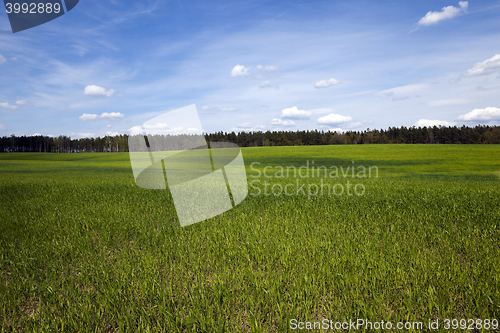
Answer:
(83, 249)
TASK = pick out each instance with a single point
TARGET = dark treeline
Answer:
(63, 144)
(431, 135)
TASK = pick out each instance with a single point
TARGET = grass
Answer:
(82, 248)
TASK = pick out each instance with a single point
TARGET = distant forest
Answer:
(397, 135)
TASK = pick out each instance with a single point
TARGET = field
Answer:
(82, 248)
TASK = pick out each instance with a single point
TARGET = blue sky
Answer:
(108, 66)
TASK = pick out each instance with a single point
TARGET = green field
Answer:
(82, 248)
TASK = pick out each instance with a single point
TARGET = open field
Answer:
(82, 248)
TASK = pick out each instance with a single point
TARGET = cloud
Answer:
(6, 105)
(2, 59)
(265, 84)
(393, 97)
(446, 13)
(295, 113)
(88, 117)
(96, 91)
(219, 108)
(486, 67)
(432, 123)
(22, 102)
(157, 126)
(333, 119)
(113, 133)
(49, 135)
(112, 115)
(192, 130)
(246, 125)
(86, 135)
(105, 115)
(336, 129)
(277, 121)
(267, 68)
(326, 83)
(404, 92)
(321, 111)
(489, 113)
(163, 128)
(240, 70)
(136, 130)
(2, 127)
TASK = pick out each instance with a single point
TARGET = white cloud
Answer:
(157, 126)
(2, 59)
(432, 123)
(245, 125)
(136, 130)
(86, 135)
(219, 108)
(248, 127)
(88, 117)
(112, 115)
(489, 113)
(337, 129)
(322, 111)
(49, 135)
(486, 67)
(404, 92)
(22, 102)
(295, 113)
(265, 84)
(105, 115)
(7, 106)
(113, 133)
(163, 128)
(267, 68)
(2, 127)
(97, 91)
(446, 13)
(277, 121)
(240, 70)
(326, 83)
(333, 119)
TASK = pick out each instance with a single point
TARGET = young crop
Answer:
(82, 248)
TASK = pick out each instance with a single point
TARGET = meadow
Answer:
(83, 249)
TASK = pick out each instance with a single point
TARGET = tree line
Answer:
(480, 134)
